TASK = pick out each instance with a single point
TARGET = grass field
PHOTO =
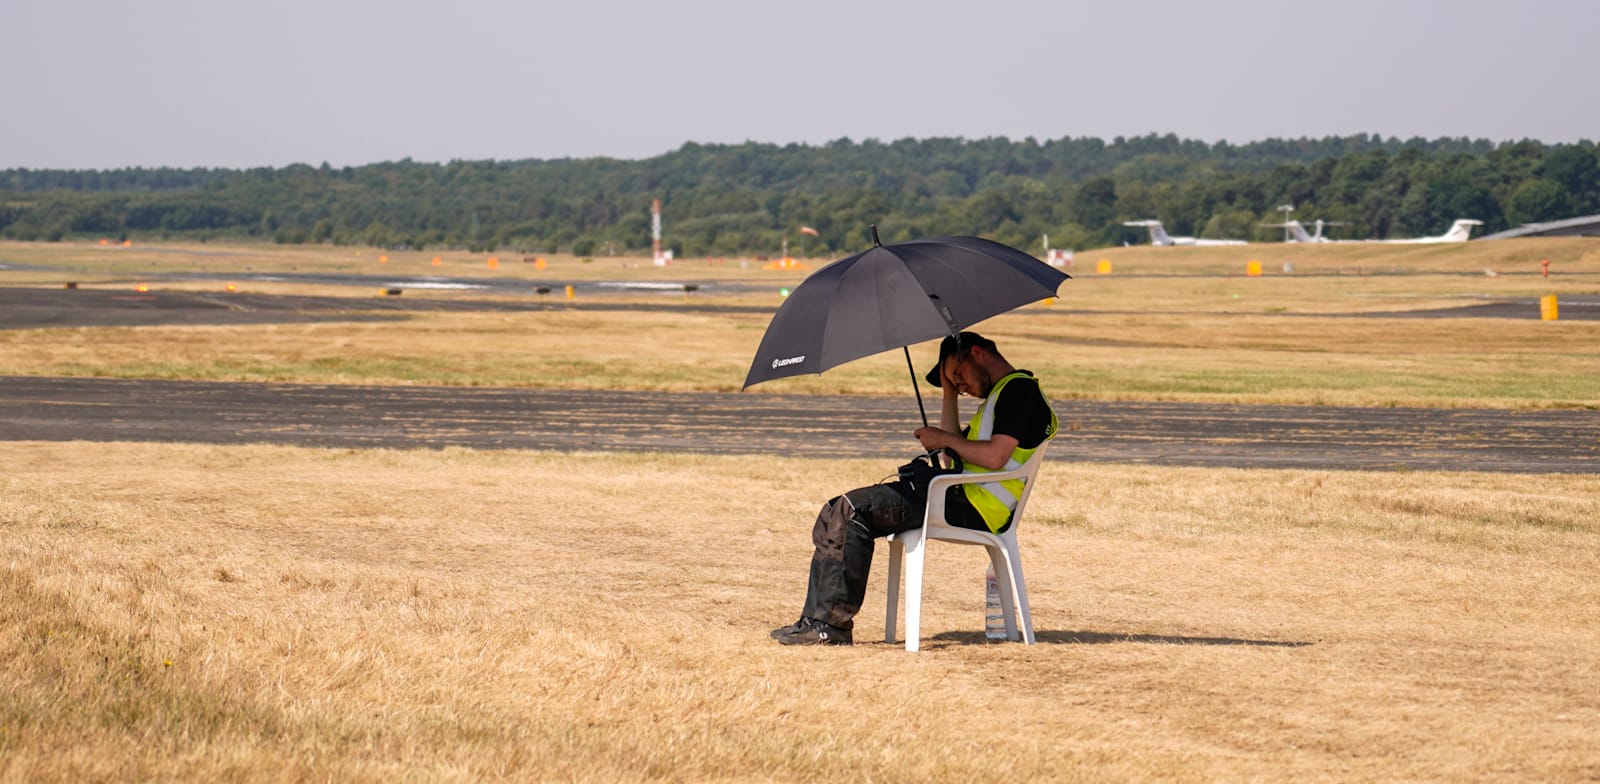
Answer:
(275, 614)
(254, 613)
(1168, 324)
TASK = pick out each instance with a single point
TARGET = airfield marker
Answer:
(1547, 308)
(657, 257)
(437, 261)
(569, 291)
(1103, 268)
(494, 263)
(1253, 269)
(1545, 265)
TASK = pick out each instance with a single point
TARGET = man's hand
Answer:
(933, 438)
(947, 382)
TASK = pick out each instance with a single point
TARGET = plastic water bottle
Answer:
(994, 619)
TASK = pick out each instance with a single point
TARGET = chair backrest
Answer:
(1035, 461)
(939, 528)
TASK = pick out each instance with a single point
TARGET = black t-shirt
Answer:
(1022, 412)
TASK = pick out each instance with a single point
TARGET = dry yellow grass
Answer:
(256, 613)
(265, 614)
(1116, 356)
(1169, 324)
(1373, 261)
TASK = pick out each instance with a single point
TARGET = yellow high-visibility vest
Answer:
(996, 500)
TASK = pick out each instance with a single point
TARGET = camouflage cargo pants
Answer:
(844, 536)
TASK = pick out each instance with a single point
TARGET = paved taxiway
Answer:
(406, 417)
(757, 423)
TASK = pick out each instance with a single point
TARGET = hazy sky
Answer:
(113, 83)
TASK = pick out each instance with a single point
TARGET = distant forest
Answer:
(748, 198)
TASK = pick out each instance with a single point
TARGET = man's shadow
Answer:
(1107, 638)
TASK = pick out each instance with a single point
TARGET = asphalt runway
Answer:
(34, 308)
(402, 417)
(409, 417)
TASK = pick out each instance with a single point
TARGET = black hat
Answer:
(950, 345)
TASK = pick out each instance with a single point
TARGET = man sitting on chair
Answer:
(1011, 422)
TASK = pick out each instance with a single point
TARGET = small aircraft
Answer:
(1294, 232)
(1159, 236)
(1460, 231)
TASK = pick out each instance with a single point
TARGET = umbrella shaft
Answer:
(915, 390)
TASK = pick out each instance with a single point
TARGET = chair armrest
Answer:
(943, 481)
(934, 514)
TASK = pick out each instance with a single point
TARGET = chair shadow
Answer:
(1106, 638)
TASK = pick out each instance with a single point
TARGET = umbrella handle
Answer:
(915, 390)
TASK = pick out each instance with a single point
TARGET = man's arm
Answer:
(991, 454)
(950, 418)
(948, 433)
(1011, 425)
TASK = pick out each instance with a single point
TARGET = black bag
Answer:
(923, 468)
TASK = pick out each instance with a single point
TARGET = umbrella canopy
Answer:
(894, 295)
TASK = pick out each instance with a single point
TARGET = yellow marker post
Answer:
(539, 263)
(1253, 269)
(569, 291)
(1103, 268)
(494, 263)
(1547, 307)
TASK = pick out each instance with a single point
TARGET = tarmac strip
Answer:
(40, 308)
(411, 417)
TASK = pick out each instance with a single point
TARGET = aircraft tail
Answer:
(1294, 232)
(1158, 235)
(1460, 231)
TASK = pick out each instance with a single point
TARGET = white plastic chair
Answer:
(907, 547)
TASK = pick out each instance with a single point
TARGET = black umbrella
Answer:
(894, 295)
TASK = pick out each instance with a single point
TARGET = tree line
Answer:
(720, 199)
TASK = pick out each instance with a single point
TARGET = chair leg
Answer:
(915, 550)
(1000, 560)
(1020, 586)
(891, 618)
